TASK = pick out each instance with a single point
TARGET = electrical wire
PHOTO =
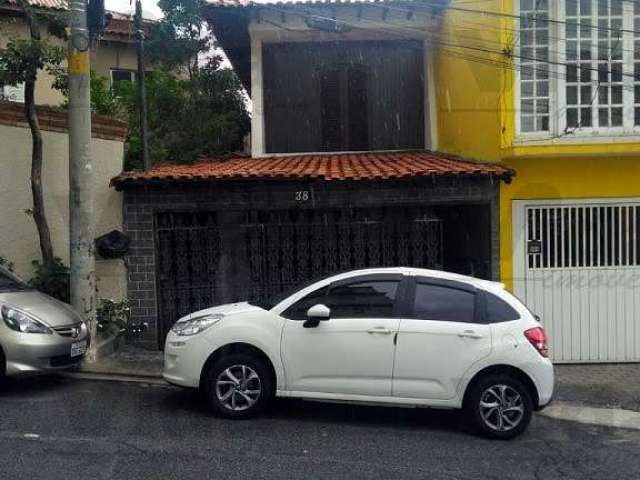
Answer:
(431, 37)
(453, 47)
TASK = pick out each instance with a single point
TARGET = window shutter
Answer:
(331, 111)
(358, 112)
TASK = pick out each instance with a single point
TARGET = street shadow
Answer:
(362, 416)
(367, 415)
(187, 400)
(32, 385)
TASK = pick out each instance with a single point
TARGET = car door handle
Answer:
(469, 334)
(384, 330)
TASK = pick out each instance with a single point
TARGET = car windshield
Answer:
(10, 282)
(269, 303)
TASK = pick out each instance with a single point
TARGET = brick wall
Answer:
(52, 119)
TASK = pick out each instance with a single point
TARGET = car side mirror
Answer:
(316, 314)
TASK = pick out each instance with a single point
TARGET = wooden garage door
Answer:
(577, 265)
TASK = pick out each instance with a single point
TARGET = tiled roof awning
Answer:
(121, 24)
(329, 167)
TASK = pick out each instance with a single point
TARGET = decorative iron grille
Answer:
(188, 251)
(287, 248)
(282, 249)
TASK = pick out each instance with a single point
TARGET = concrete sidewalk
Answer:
(128, 361)
(611, 385)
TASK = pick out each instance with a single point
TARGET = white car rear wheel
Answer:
(499, 406)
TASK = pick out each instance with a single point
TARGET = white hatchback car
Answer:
(394, 336)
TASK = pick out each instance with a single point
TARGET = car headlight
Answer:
(21, 321)
(191, 326)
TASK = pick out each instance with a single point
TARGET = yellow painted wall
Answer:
(470, 85)
(476, 119)
(552, 178)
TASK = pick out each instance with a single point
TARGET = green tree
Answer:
(104, 100)
(202, 113)
(179, 40)
(20, 62)
(203, 116)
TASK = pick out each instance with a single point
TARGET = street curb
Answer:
(120, 372)
(116, 377)
(606, 417)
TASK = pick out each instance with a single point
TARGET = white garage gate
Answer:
(577, 266)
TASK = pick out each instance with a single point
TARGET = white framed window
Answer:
(12, 93)
(122, 75)
(578, 69)
(534, 67)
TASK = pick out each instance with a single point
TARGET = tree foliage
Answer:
(104, 99)
(51, 278)
(201, 113)
(204, 115)
(180, 38)
(21, 59)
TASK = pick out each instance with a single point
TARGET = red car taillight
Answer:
(538, 339)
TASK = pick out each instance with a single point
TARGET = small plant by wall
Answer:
(113, 319)
(51, 278)
(6, 264)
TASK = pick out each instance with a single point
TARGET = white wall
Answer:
(18, 235)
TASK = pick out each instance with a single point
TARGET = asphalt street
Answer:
(60, 428)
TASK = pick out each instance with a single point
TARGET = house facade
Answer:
(343, 172)
(551, 89)
(544, 92)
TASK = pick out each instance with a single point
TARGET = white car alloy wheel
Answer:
(501, 408)
(238, 388)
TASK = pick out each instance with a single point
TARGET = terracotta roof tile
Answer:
(331, 167)
(121, 23)
(55, 4)
(50, 4)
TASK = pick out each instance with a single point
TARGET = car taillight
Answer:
(538, 339)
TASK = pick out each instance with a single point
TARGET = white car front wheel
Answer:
(238, 386)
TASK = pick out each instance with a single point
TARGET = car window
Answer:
(298, 311)
(363, 299)
(435, 302)
(272, 301)
(498, 310)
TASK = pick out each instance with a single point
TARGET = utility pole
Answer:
(81, 224)
(142, 91)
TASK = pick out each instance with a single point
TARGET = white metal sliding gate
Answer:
(577, 265)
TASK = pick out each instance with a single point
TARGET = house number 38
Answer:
(302, 195)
